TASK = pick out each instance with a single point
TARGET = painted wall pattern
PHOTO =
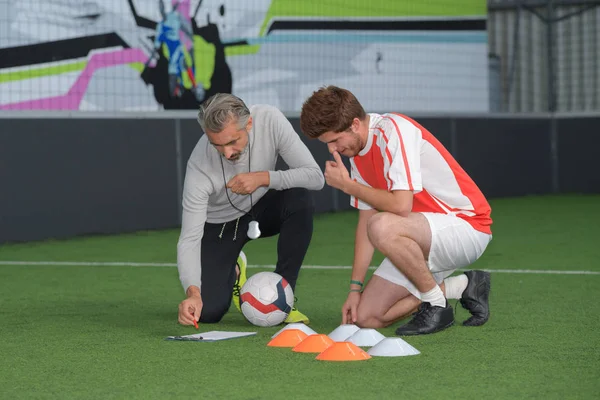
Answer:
(140, 55)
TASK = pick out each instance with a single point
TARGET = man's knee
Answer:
(386, 229)
(365, 319)
(369, 322)
(211, 315)
(381, 227)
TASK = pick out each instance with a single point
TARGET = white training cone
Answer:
(296, 325)
(392, 347)
(365, 337)
(343, 332)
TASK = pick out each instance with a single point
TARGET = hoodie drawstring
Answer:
(237, 222)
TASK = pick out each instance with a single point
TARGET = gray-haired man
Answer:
(230, 182)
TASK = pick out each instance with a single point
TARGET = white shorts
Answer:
(454, 244)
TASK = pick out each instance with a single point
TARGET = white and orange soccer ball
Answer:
(266, 299)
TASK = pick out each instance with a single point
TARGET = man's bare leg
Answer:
(384, 303)
(376, 301)
(406, 242)
(405, 308)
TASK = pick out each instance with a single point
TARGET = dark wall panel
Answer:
(441, 128)
(578, 148)
(190, 134)
(323, 198)
(506, 157)
(66, 177)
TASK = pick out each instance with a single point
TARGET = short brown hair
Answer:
(329, 109)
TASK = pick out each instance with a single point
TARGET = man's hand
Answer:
(336, 174)
(350, 308)
(190, 309)
(248, 182)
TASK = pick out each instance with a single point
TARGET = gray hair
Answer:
(219, 110)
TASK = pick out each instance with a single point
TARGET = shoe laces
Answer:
(236, 290)
(236, 285)
(422, 314)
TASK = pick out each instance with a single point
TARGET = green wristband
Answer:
(356, 290)
(356, 283)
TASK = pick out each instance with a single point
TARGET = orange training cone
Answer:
(313, 344)
(288, 338)
(343, 351)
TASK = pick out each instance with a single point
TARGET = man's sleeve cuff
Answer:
(186, 283)
(274, 180)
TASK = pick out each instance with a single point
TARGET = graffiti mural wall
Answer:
(141, 55)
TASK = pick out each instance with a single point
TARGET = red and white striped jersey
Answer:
(400, 154)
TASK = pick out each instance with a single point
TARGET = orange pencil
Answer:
(194, 319)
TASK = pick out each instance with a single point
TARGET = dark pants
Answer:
(288, 213)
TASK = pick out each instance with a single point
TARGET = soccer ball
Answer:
(266, 299)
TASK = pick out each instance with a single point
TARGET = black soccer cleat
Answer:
(475, 298)
(428, 319)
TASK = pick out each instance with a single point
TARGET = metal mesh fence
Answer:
(546, 54)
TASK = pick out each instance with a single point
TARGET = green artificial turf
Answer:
(98, 331)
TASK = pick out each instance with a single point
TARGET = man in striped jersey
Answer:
(416, 205)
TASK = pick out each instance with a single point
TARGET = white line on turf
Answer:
(142, 264)
(88, 263)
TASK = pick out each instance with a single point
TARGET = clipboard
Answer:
(212, 336)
